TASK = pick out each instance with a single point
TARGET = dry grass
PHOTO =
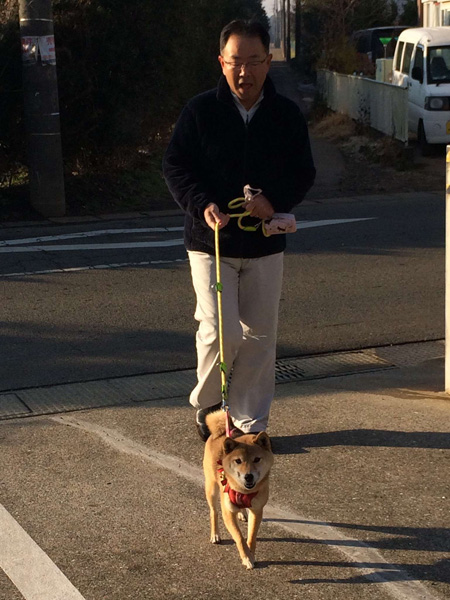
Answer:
(359, 142)
(335, 127)
(376, 163)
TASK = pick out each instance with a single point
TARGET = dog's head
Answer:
(247, 460)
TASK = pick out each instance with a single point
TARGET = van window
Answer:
(407, 57)
(398, 59)
(418, 59)
(438, 64)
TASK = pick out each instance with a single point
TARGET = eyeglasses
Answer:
(237, 66)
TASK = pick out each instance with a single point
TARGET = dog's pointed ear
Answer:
(229, 445)
(263, 440)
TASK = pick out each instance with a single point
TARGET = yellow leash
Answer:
(237, 203)
(222, 365)
(219, 289)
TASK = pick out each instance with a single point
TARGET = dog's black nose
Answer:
(248, 477)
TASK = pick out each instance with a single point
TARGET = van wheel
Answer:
(425, 147)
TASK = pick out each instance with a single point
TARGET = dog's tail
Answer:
(216, 423)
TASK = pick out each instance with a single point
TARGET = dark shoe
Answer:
(200, 421)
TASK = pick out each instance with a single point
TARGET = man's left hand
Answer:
(260, 207)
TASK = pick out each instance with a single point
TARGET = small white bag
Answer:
(279, 223)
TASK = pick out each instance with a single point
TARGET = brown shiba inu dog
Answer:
(237, 470)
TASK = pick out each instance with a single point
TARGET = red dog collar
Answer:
(236, 498)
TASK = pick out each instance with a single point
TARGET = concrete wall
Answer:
(380, 105)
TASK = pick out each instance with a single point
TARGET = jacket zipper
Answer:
(245, 168)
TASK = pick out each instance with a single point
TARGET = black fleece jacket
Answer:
(213, 154)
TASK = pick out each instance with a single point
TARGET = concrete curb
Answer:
(83, 395)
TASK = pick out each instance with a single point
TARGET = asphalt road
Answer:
(108, 504)
(359, 272)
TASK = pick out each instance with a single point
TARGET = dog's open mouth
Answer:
(250, 486)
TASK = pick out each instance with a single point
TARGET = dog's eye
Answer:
(238, 461)
(257, 459)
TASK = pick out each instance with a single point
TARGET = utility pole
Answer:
(41, 108)
(283, 27)
(288, 30)
(298, 30)
(277, 25)
(447, 272)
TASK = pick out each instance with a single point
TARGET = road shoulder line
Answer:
(29, 568)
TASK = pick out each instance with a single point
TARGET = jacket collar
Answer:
(224, 92)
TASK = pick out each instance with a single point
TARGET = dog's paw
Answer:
(215, 539)
(242, 515)
(248, 562)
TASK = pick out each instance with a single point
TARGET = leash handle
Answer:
(249, 193)
(278, 223)
(238, 203)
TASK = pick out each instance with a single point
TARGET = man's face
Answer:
(245, 81)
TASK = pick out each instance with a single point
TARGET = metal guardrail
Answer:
(380, 105)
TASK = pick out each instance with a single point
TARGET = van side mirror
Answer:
(417, 74)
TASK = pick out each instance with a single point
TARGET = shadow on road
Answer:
(433, 539)
(298, 444)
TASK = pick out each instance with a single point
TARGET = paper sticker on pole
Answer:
(30, 47)
(35, 47)
(47, 49)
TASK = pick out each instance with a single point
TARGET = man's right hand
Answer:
(213, 215)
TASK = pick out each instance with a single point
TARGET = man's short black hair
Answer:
(245, 29)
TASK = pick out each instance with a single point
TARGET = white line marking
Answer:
(145, 263)
(87, 234)
(7, 246)
(29, 568)
(117, 246)
(14, 246)
(365, 558)
(324, 223)
(100, 232)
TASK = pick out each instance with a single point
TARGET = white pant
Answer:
(250, 300)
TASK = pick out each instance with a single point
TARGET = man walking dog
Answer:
(241, 133)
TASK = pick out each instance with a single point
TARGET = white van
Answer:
(422, 63)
